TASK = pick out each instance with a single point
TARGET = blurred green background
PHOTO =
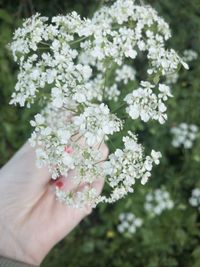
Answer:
(169, 240)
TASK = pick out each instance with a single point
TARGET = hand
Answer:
(32, 221)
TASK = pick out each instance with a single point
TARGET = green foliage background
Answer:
(169, 240)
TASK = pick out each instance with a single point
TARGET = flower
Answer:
(189, 55)
(144, 103)
(96, 122)
(125, 167)
(194, 200)
(184, 134)
(125, 74)
(128, 223)
(158, 201)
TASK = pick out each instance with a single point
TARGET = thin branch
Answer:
(32, 10)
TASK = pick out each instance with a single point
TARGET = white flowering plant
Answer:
(194, 200)
(184, 135)
(128, 223)
(158, 201)
(78, 69)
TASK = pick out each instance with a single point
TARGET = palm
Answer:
(29, 205)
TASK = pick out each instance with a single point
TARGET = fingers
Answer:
(28, 177)
(65, 183)
(67, 218)
(104, 150)
(73, 216)
(68, 184)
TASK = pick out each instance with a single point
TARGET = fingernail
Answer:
(59, 184)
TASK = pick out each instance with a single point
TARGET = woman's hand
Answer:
(32, 221)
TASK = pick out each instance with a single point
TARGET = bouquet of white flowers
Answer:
(75, 68)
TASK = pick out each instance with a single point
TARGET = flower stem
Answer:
(112, 143)
(44, 43)
(78, 40)
(121, 106)
(100, 143)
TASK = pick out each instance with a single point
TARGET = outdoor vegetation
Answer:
(159, 224)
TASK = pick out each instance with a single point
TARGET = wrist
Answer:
(5, 262)
(11, 248)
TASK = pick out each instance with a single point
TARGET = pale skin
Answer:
(32, 221)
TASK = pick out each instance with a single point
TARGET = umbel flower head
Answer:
(128, 223)
(158, 201)
(76, 69)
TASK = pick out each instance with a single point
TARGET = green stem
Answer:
(44, 43)
(43, 48)
(74, 111)
(111, 143)
(124, 104)
(78, 40)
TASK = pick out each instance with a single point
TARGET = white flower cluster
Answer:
(172, 78)
(184, 135)
(128, 223)
(144, 103)
(121, 170)
(74, 67)
(158, 201)
(96, 122)
(194, 200)
(190, 55)
(125, 74)
(126, 166)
